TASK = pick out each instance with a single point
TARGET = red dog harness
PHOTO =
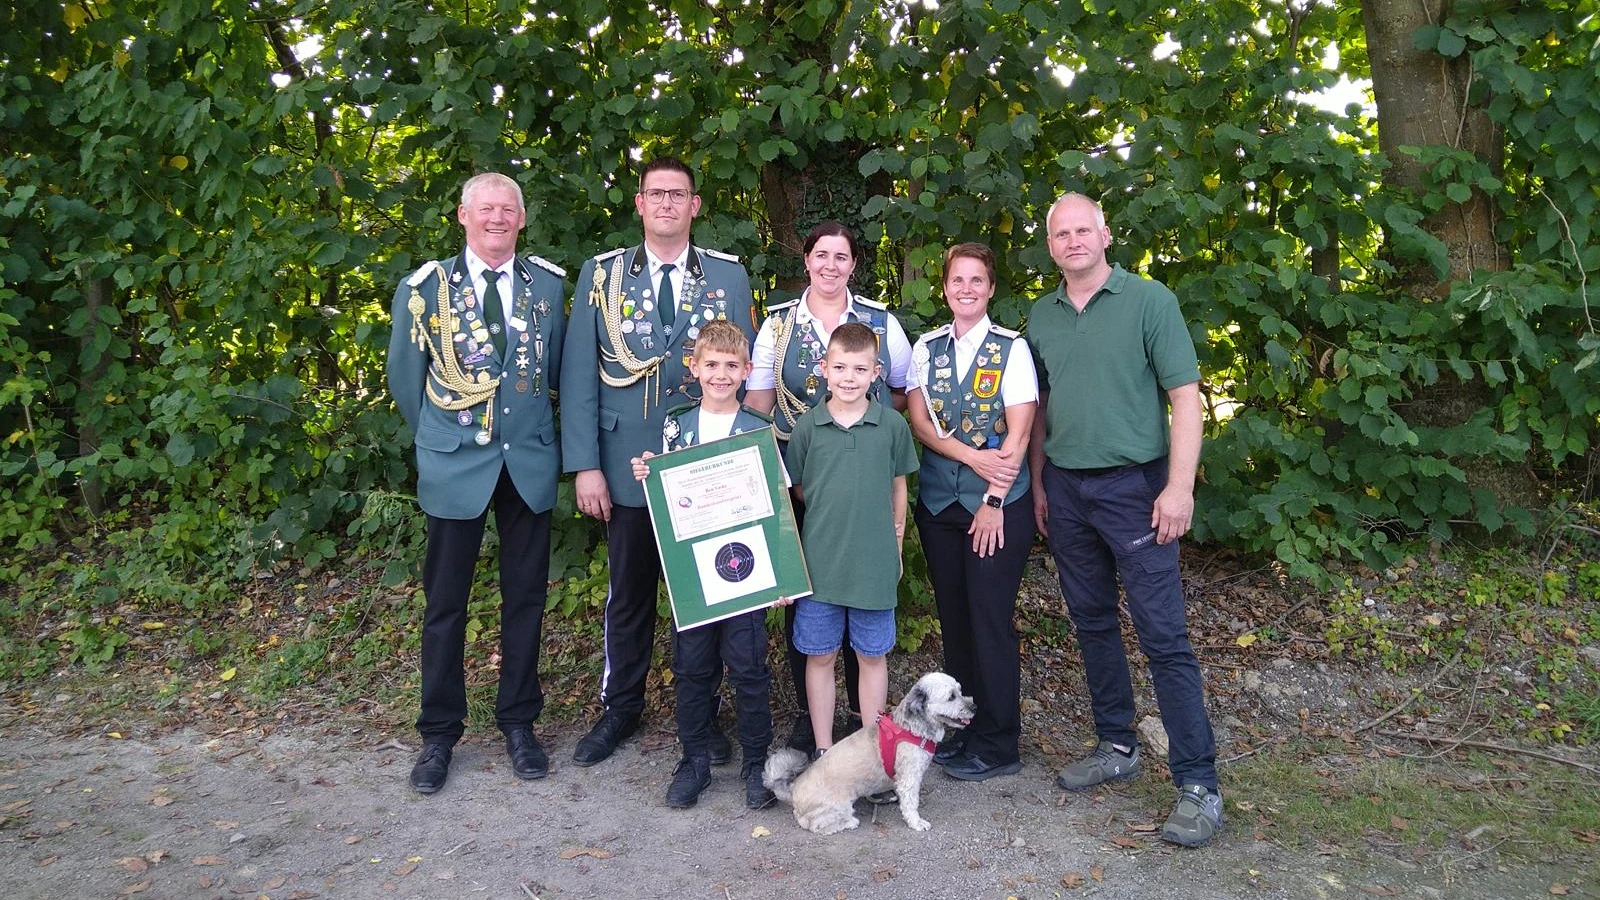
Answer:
(890, 734)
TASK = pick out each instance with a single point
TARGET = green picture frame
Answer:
(725, 528)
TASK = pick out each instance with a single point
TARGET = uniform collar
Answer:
(476, 266)
(825, 417)
(975, 335)
(803, 310)
(642, 259)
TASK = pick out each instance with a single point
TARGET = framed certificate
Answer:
(725, 528)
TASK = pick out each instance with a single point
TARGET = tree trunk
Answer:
(96, 295)
(1422, 99)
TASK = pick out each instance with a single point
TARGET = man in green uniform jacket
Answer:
(635, 317)
(473, 361)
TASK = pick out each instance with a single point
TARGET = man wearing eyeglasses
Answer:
(635, 318)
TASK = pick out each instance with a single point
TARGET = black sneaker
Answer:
(802, 738)
(688, 780)
(949, 751)
(976, 768)
(756, 793)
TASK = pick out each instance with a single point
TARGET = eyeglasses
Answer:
(657, 195)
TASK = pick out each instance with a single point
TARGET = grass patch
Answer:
(1308, 796)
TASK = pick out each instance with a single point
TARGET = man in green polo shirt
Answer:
(1118, 492)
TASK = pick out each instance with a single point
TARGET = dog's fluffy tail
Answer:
(781, 770)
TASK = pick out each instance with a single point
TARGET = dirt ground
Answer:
(325, 811)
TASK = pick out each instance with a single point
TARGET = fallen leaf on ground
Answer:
(1379, 890)
(883, 874)
(1097, 872)
(134, 864)
(48, 860)
(760, 831)
(1142, 827)
(1072, 880)
(353, 839)
(1127, 843)
(405, 870)
(974, 863)
(1559, 889)
(156, 856)
(15, 805)
(208, 861)
(225, 825)
(575, 852)
(161, 798)
(274, 884)
(205, 881)
(1398, 824)
(137, 887)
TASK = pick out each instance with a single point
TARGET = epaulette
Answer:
(757, 413)
(718, 254)
(610, 253)
(422, 273)
(872, 303)
(941, 331)
(677, 411)
(548, 266)
(780, 307)
(1004, 332)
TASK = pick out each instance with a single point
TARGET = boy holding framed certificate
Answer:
(721, 361)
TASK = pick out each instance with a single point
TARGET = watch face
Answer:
(992, 500)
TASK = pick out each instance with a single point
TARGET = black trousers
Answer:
(447, 571)
(698, 657)
(977, 600)
(797, 660)
(630, 609)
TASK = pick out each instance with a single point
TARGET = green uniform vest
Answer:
(682, 428)
(971, 408)
(800, 348)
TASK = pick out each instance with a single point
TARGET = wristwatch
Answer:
(993, 501)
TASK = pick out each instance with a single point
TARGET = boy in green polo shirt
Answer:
(849, 457)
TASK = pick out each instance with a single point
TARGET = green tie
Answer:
(666, 300)
(492, 313)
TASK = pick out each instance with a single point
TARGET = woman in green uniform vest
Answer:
(972, 395)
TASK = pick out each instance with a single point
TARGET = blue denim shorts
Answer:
(819, 628)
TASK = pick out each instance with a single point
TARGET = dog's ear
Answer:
(916, 702)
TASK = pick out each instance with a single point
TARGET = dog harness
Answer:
(890, 734)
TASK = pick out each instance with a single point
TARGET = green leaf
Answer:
(1451, 44)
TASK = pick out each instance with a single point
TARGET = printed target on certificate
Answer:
(725, 528)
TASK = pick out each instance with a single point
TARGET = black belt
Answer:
(1109, 470)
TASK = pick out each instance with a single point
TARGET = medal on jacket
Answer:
(481, 438)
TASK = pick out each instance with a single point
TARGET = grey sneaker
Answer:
(1106, 763)
(1196, 819)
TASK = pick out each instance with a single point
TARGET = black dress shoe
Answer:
(756, 793)
(528, 760)
(688, 780)
(721, 748)
(976, 768)
(603, 738)
(949, 752)
(802, 738)
(432, 768)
